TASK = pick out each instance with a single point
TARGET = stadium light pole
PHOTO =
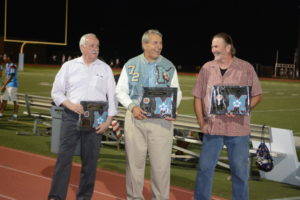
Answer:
(297, 52)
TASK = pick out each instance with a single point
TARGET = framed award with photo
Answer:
(95, 113)
(230, 99)
(159, 102)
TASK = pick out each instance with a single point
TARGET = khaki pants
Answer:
(154, 136)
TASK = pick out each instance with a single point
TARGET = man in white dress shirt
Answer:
(82, 79)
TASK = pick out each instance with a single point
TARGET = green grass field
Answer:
(279, 108)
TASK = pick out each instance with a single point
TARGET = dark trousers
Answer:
(90, 146)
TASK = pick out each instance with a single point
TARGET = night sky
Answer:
(259, 27)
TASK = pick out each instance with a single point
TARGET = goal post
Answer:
(24, 42)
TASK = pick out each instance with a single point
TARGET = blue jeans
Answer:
(238, 154)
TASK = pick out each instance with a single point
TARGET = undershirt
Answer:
(223, 71)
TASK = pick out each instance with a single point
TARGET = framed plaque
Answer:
(95, 113)
(230, 99)
(159, 102)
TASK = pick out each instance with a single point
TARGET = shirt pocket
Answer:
(98, 81)
(94, 80)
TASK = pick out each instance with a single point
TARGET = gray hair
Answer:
(83, 38)
(228, 40)
(145, 37)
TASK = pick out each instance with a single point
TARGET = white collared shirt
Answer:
(77, 82)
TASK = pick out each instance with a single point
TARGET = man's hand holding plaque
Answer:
(139, 113)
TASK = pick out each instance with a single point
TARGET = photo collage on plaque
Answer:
(95, 113)
(159, 102)
(230, 99)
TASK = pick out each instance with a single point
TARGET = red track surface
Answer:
(27, 176)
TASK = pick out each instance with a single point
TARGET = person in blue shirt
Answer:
(9, 89)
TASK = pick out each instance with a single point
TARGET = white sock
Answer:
(15, 115)
(1, 115)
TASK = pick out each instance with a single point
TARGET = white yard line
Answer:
(49, 179)
(278, 110)
(6, 197)
(290, 198)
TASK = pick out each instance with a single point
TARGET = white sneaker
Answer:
(14, 117)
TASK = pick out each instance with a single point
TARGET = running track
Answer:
(27, 176)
